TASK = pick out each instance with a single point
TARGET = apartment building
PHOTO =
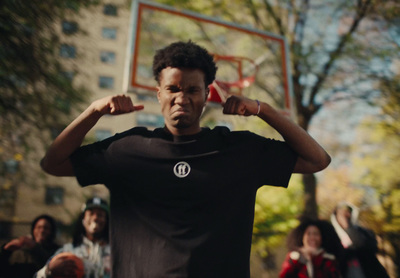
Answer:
(93, 50)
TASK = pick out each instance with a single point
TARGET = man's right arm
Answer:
(57, 159)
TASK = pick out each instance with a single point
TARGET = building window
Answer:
(110, 9)
(69, 27)
(106, 82)
(67, 51)
(109, 33)
(11, 166)
(102, 134)
(54, 195)
(107, 57)
(147, 119)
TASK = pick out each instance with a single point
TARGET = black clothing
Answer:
(364, 249)
(24, 263)
(183, 206)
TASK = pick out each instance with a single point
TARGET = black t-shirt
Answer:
(183, 206)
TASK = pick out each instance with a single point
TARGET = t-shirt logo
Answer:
(181, 169)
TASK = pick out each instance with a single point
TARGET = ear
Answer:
(158, 93)
(207, 92)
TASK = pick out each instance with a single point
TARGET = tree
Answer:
(275, 216)
(35, 92)
(330, 49)
(378, 162)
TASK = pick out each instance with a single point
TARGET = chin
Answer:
(180, 123)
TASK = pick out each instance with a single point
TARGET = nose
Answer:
(181, 98)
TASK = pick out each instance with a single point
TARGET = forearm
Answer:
(312, 157)
(56, 161)
(362, 240)
(290, 268)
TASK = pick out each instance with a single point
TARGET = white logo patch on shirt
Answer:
(181, 169)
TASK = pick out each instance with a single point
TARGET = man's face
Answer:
(182, 94)
(343, 216)
(41, 231)
(94, 221)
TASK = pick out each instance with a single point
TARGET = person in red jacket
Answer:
(307, 257)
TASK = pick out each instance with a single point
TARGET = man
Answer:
(182, 196)
(23, 256)
(90, 243)
(360, 244)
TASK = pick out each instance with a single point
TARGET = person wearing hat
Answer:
(360, 244)
(90, 243)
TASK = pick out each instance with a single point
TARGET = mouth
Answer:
(313, 244)
(94, 226)
(180, 112)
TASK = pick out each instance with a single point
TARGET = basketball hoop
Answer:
(221, 90)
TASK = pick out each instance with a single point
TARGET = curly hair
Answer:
(185, 55)
(329, 239)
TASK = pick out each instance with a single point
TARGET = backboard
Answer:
(250, 62)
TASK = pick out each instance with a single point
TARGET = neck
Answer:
(182, 131)
(94, 237)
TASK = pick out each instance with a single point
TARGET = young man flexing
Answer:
(175, 209)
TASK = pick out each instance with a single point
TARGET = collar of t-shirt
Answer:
(163, 133)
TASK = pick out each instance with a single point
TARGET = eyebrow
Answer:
(171, 86)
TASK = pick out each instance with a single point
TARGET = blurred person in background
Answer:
(90, 243)
(308, 255)
(23, 256)
(360, 244)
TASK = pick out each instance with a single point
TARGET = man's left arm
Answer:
(311, 156)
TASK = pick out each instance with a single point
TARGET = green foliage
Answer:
(35, 94)
(276, 214)
(379, 164)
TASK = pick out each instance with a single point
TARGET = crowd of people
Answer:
(339, 248)
(23, 256)
(317, 248)
(175, 210)
(39, 256)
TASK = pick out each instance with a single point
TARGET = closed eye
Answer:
(193, 90)
(173, 89)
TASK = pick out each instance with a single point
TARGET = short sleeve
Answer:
(90, 164)
(277, 162)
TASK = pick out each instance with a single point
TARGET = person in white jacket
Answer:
(360, 244)
(90, 243)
